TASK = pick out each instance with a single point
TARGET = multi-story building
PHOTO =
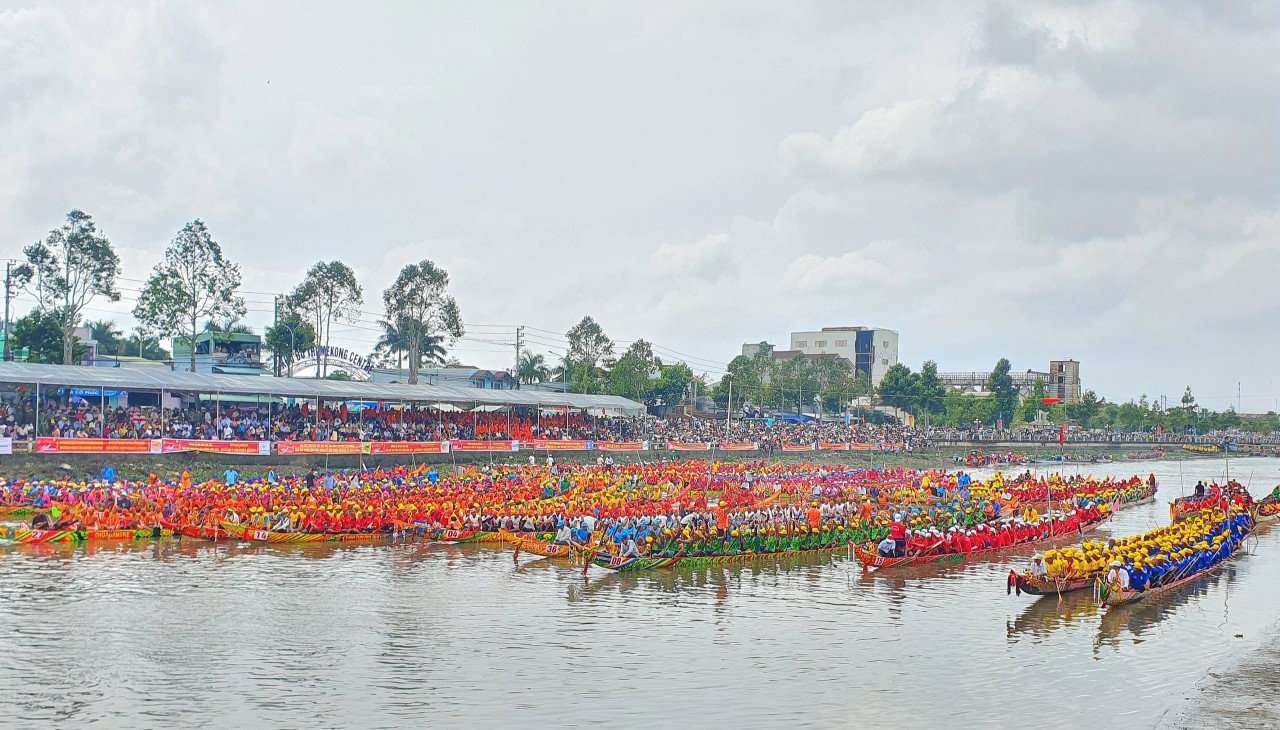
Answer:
(872, 350)
(1064, 380)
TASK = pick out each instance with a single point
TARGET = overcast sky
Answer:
(1096, 180)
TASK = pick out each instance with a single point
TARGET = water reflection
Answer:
(1050, 613)
(192, 634)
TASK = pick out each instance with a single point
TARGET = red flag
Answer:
(1062, 436)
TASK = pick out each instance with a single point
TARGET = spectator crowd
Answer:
(77, 418)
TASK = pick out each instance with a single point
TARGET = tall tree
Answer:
(1035, 402)
(589, 345)
(419, 303)
(932, 391)
(193, 282)
(900, 388)
(290, 335)
(1000, 385)
(632, 376)
(673, 384)
(66, 271)
(532, 368)
(329, 292)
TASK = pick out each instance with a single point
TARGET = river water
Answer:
(188, 634)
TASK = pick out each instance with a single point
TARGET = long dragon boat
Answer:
(31, 535)
(872, 560)
(1268, 510)
(252, 534)
(545, 548)
(1120, 597)
(1038, 586)
(608, 560)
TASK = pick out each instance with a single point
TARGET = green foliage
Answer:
(394, 345)
(1085, 412)
(900, 388)
(932, 391)
(788, 384)
(193, 282)
(422, 314)
(338, 375)
(674, 383)
(108, 336)
(140, 344)
(290, 335)
(533, 368)
(41, 332)
(1000, 385)
(1035, 403)
(589, 345)
(962, 410)
(66, 271)
(633, 375)
(327, 293)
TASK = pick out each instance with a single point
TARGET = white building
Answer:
(872, 350)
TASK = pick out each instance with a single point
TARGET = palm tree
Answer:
(395, 342)
(533, 368)
(107, 335)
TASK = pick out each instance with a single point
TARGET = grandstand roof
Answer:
(156, 379)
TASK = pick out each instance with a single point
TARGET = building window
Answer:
(886, 344)
(819, 343)
(842, 343)
(801, 343)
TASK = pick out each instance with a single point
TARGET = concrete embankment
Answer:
(1243, 695)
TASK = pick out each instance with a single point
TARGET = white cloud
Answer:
(1027, 179)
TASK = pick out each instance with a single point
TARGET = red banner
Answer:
(674, 446)
(744, 446)
(797, 447)
(556, 445)
(622, 445)
(409, 447)
(48, 445)
(291, 448)
(462, 445)
(833, 447)
(172, 446)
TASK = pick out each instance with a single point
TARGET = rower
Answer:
(563, 535)
(1038, 569)
(1118, 576)
(630, 549)
(887, 547)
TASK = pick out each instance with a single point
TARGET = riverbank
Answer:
(1240, 696)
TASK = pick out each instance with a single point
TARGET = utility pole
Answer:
(275, 322)
(519, 338)
(8, 294)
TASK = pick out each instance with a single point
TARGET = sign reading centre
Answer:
(339, 358)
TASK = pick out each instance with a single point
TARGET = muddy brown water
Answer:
(189, 634)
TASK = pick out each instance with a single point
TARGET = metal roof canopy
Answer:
(157, 379)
